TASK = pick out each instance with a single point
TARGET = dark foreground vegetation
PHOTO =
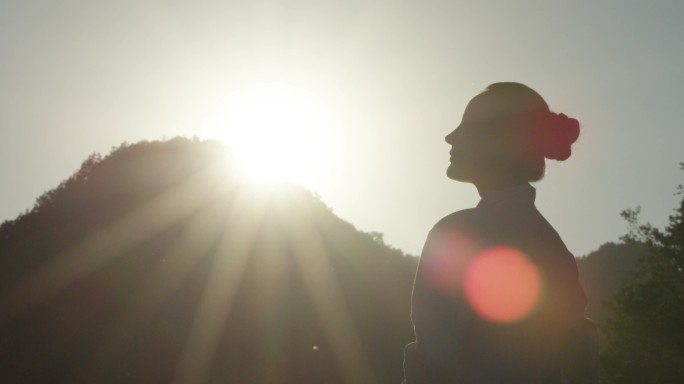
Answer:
(159, 263)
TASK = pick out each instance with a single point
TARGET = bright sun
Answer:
(277, 131)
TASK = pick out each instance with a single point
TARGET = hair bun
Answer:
(557, 135)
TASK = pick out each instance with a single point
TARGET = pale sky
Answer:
(371, 88)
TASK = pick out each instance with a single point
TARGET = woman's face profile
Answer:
(478, 144)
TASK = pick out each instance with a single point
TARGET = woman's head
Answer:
(506, 133)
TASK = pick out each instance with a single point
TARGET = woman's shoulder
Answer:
(458, 218)
(464, 221)
(526, 226)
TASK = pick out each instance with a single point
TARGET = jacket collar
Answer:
(519, 194)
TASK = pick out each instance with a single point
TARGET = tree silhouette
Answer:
(646, 334)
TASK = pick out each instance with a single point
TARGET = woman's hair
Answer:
(542, 133)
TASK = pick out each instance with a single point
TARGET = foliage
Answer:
(646, 333)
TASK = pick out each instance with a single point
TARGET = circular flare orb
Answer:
(502, 285)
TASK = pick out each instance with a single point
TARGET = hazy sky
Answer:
(376, 85)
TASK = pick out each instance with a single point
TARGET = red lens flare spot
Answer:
(449, 253)
(502, 285)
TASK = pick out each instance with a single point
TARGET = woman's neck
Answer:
(495, 184)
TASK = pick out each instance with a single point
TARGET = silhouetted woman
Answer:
(496, 298)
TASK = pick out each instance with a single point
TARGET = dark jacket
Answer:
(497, 299)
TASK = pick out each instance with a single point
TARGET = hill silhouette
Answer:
(160, 263)
(603, 272)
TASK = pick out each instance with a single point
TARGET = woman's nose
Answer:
(450, 137)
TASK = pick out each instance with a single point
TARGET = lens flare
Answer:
(450, 253)
(502, 285)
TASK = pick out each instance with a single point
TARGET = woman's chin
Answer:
(455, 172)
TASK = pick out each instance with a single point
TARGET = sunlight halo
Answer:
(277, 131)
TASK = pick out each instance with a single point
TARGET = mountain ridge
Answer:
(135, 239)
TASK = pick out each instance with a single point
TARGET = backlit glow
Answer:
(278, 131)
